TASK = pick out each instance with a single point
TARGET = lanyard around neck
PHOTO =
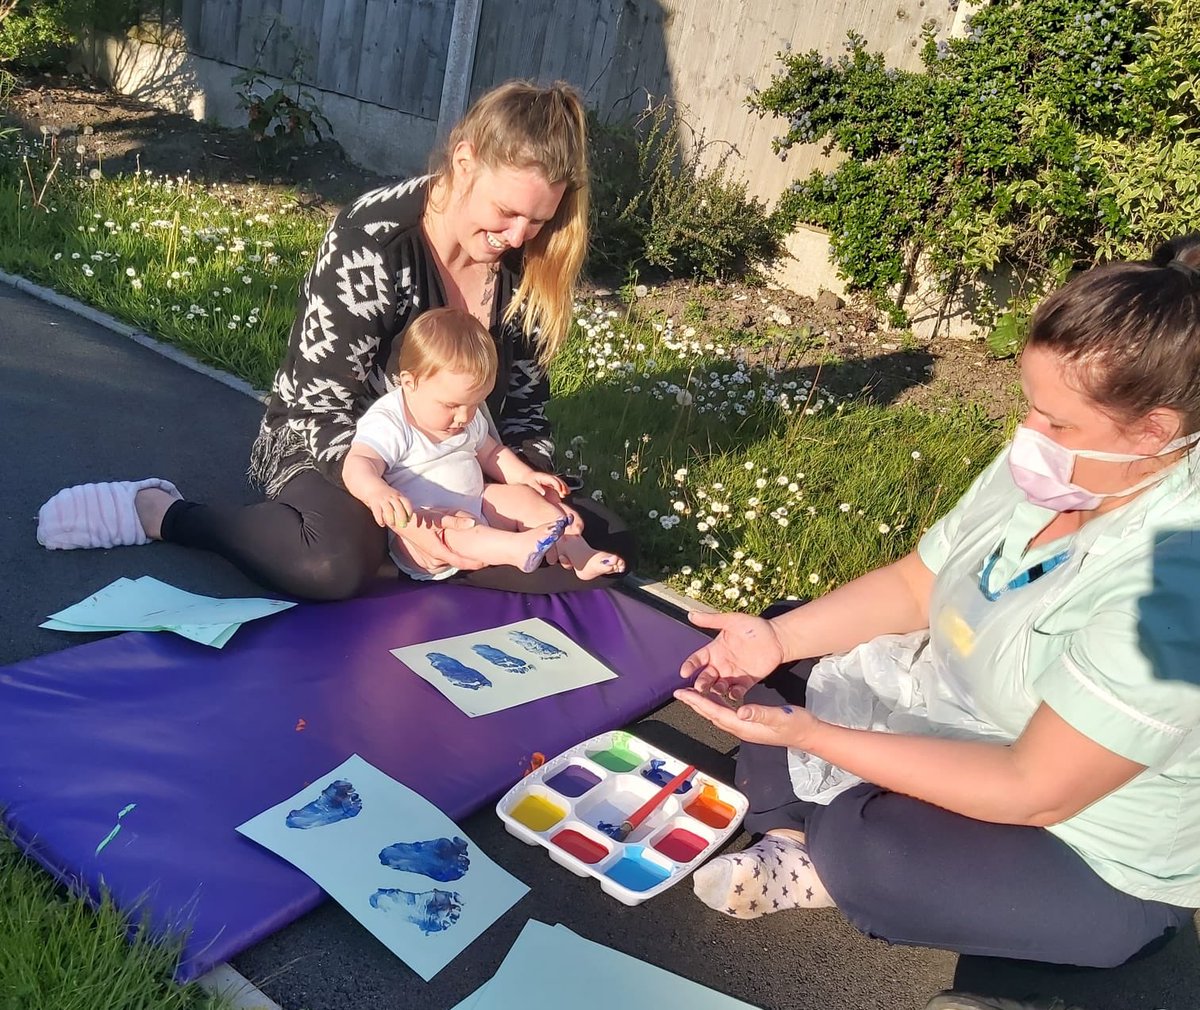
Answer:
(1021, 579)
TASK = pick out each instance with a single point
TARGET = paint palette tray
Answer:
(571, 802)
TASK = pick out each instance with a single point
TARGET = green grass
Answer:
(671, 428)
(58, 952)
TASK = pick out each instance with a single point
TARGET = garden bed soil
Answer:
(854, 353)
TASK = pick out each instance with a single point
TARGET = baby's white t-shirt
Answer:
(429, 474)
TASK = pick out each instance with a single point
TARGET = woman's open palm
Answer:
(745, 650)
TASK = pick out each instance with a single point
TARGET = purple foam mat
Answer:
(203, 739)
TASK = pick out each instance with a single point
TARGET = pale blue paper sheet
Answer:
(146, 604)
(500, 681)
(551, 967)
(343, 856)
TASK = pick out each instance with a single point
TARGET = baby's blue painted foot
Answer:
(337, 802)
(657, 774)
(544, 650)
(501, 659)
(553, 535)
(457, 673)
(439, 858)
(430, 911)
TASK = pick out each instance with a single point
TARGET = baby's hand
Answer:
(390, 508)
(543, 482)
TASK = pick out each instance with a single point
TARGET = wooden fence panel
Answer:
(705, 54)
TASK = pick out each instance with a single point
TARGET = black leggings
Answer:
(318, 542)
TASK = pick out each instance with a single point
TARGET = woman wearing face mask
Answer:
(498, 229)
(1000, 753)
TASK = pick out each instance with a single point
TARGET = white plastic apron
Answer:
(966, 677)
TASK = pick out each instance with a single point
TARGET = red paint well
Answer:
(580, 846)
(681, 845)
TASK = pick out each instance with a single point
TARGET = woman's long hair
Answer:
(520, 125)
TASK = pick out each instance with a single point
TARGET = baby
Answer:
(426, 445)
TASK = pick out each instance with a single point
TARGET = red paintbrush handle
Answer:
(655, 801)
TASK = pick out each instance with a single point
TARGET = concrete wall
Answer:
(156, 70)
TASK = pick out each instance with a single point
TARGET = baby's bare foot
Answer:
(587, 562)
(151, 504)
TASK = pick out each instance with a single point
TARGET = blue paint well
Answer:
(438, 858)
(658, 774)
(337, 802)
(430, 911)
(638, 874)
(573, 781)
(543, 650)
(497, 657)
(457, 673)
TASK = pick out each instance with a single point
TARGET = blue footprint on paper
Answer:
(430, 911)
(457, 673)
(439, 858)
(543, 650)
(657, 774)
(498, 657)
(337, 802)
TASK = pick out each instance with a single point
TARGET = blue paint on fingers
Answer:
(498, 657)
(536, 646)
(430, 911)
(788, 709)
(441, 859)
(457, 673)
(337, 802)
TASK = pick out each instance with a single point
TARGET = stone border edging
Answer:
(226, 982)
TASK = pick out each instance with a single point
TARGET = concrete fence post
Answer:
(460, 63)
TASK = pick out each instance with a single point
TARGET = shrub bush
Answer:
(36, 34)
(655, 204)
(1055, 130)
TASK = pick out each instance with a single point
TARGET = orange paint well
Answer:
(709, 810)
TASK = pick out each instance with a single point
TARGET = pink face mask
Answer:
(1042, 469)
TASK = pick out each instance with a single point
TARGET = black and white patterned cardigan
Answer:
(373, 275)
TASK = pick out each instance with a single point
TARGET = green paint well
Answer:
(618, 758)
(538, 814)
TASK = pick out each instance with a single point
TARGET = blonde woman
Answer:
(499, 230)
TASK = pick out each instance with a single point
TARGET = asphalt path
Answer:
(80, 403)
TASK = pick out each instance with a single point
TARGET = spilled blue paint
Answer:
(113, 834)
(657, 774)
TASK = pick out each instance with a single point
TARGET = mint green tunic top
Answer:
(1110, 640)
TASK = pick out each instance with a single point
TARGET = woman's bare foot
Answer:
(587, 562)
(151, 504)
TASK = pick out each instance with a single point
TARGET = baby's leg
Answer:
(501, 542)
(516, 506)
